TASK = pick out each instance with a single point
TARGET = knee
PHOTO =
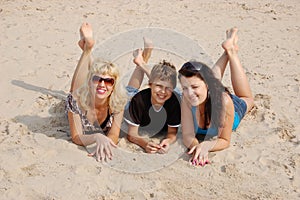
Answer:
(250, 103)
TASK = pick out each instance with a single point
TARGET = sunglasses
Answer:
(192, 67)
(107, 81)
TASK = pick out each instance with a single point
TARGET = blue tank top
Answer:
(212, 131)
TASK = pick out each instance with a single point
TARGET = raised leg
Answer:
(221, 64)
(86, 43)
(140, 59)
(239, 79)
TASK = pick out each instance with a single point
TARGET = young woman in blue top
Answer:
(208, 109)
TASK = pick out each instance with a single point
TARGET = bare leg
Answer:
(140, 59)
(86, 43)
(239, 79)
(221, 64)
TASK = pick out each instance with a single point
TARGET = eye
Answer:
(159, 86)
(169, 89)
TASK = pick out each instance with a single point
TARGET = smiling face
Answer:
(102, 86)
(161, 91)
(194, 89)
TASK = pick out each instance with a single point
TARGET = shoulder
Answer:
(227, 101)
(141, 100)
(72, 104)
(142, 94)
(174, 99)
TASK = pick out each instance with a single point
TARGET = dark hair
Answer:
(214, 103)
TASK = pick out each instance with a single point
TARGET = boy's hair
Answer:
(164, 71)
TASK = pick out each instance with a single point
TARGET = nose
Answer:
(101, 83)
(163, 90)
(190, 91)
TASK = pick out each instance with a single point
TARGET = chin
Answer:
(160, 102)
(194, 103)
(101, 96)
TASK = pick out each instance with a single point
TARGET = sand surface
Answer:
(38, 56)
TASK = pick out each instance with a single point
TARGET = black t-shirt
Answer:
(141, 113)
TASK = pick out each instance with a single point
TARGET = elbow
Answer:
(226, 145)
(76, 140)
(133, 139)
(130, 138)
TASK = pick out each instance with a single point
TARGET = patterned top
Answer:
(87, 127)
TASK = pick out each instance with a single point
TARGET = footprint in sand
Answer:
(285, 130)
(263, 100)
(261, 111)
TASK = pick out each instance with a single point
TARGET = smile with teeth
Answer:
(161, 96)
(101, 90)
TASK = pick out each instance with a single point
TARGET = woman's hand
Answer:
(104, 147)
(199, 154)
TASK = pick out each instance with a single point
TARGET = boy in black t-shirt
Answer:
(155, 109)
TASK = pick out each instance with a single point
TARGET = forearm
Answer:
(191, 144)
(171, 137)
(138, 140)
(217, 145)
(84, 140)
(114, 138)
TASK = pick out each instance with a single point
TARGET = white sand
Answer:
(39, 54)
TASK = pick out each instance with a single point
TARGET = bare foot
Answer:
(230, 44)
(148, 47)
(86, 41)
(138, 57)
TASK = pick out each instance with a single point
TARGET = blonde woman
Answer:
(96, 101)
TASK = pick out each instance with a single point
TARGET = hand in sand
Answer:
(165, 145)
(152, 147)
(104, 147)
(199, 155)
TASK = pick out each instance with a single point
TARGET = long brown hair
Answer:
(214, 103)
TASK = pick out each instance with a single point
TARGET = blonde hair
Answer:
(117, 98)
(164, 71)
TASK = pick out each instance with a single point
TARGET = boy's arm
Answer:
(170, 139)
(133, 137)
(171, 136)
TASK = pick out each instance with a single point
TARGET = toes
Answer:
(228, 33)
(233, 32)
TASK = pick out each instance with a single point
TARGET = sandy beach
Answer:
(39, 52)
